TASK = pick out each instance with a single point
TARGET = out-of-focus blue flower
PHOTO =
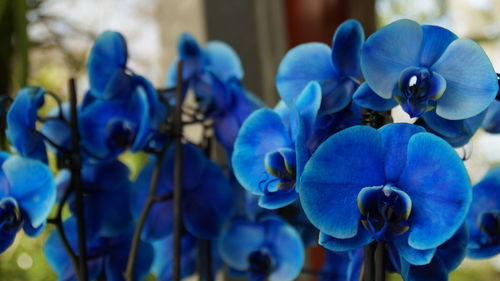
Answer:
(268, 249)
(491, 121)
(271, 150)
(57, 130)
(214, 73)
(163, 262)
(127, 105)
(207, 196)
(21, 123)
(447, 258)
(107, 190)
(342, 266)
(107, 256)
(397, 184)
(27, 194)
(483, 219)
(426, 68)
(336, 69)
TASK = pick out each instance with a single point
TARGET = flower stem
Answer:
(152, 198)
(369, 262)
(379, 257)
(178, 175)
(76, 183)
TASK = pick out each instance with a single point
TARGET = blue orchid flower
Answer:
(447, 258)
(215, 73)
(216, 55)
(491, 123)
(107, 256)
(425, 68)
(207, 196)
(107, 190)
(336, 69)
(271, 150)
(127, 104)
(27, 194)
(21, 123)
(364, 184)
(268, 249)
(483, 219)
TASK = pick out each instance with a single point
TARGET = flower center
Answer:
(10, 215)
(121, 134)
(384, 211)
(419, 89)
(260, 265)
(281, 165)
(489, 224)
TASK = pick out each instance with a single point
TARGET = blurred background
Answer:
(45, 42)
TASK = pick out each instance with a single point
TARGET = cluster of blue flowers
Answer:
(322, 166)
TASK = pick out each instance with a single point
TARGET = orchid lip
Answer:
(419, 89)
(385, 211)
(489, 225)
(10, 215)
(261, 265)
(281, 167)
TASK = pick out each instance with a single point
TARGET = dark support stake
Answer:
(380, 261)
(76, 183)
(369, 262)
(178, 225)
(205, 260)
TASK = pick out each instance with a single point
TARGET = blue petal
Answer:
(435, 271)
(21, 123)
(435, 179)
(412, 255)
(307, 106)
(436, 40)
(32, 185)
(191, 55)
(96, 133)
(58, 257)
(108, 56)
(485, 199)
(301, 65)
(278, 199)
(455, 132)
(153, 112)
(346, 48)
(453, 251)
(395, 138)
(389, 51)
(491, 122)
(238, 241)
(261, 133)
(287, 249)
(337, 95)
(471, 81)
(335, 267)
(108, 187)
(363, 237)
(358, 163)
(57, 130)
(223, 59)
(228, 125)
(116, 262)
(6, 239)
(207, 208)
(367, 98)
(163, 259)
